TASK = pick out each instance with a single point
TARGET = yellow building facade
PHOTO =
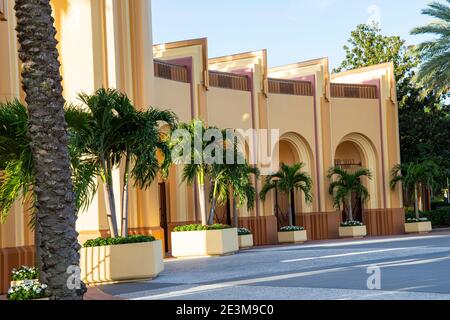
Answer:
(348, 119)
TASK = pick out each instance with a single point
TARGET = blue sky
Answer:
(291, 30)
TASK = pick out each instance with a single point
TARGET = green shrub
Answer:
(291, 228)
(352, 223)
(439, 204)
(243, 232)
(28, 290)
(199, 227)
(100, 242)
(439, 217)
(24, 273)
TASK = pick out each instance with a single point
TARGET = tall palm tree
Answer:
(47, 129)
(434, 73)
(288, 179)
(346, 184)
(413, 175)
(195, 165)
(121, 133)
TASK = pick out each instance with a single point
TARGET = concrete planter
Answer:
(418, 227)
(122, 262)
(204, 243)
(353, 232)
(245, 241)
(292, 236)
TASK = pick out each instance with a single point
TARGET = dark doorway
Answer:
(163, 214)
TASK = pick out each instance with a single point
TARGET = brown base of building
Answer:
(11, 258)
(384, 222)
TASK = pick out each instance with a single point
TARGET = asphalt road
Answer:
(405, 267)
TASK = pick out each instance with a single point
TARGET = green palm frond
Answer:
(345, 183)
(434, 72)
(287, 179)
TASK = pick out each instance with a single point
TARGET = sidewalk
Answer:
(93, 293)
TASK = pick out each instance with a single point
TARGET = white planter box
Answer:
(353, 232)
(122, 262)
(292, 236)
(245, 241)
(418, 227)
(204, 243)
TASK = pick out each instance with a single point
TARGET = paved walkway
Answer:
(411, 267)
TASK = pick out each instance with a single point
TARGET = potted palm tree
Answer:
(287, 180)
(119, 133)
(189, 144)
(413, 176)
(342, 188)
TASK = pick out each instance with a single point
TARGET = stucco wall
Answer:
(355, 115)
(229, 108)
(290, 113)
(174, 96)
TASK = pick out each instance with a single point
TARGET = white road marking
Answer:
(224, 285)
(349, 243)
(417, 262)
(347, 254)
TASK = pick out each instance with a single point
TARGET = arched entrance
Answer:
(354, 152)
(293, 149)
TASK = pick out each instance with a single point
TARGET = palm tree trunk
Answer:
(55, 200)
(350, 209)
(212, 211)
(235, 214)
(38, 254)
(124, 215)
(110, 199)
(202, 197)
(416, 201)
(290, 209)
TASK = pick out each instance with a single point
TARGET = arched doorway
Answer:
(354, 152)
(293, 149)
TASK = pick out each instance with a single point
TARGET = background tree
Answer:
(424, 120)
(287, 180)
(434, 72)
(345, 185)
(413, 175)
(57, 245)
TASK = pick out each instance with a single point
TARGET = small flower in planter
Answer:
(243, 232)
(24, 273)
(291, 228)
(28, 290)
(352, 223)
